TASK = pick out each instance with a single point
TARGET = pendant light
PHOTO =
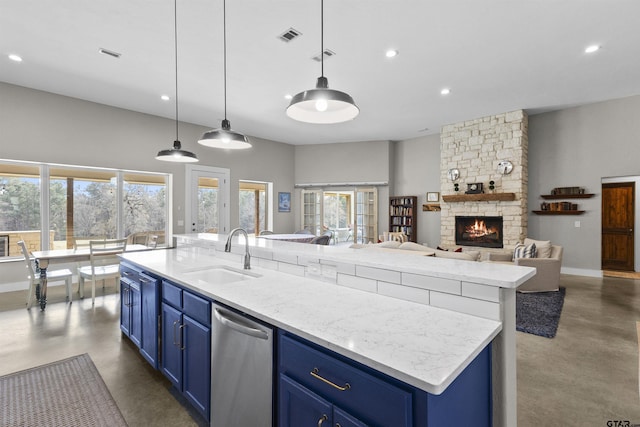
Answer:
(176, 154)
(322, 105)
(224, 137)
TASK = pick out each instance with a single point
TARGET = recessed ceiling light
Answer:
(445, 91)
(592, 48)
(288, 96)
(15, 57)
(391, 53)
(165, 97)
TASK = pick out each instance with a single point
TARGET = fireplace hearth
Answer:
(483, 231)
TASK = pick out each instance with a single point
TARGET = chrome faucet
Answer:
(247, 255)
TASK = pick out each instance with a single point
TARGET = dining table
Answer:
(291, 237)
(58, 256)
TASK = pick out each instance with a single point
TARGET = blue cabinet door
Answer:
(135, 332)
(171, 345)
(125, 307)
(298, 406)
(150, 306)
(197, 364)
(342, 419)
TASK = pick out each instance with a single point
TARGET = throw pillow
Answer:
(458, 250)
(524, 251)
(411, 246)
(441, 249)
(543, 247)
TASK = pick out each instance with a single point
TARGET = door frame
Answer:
(224, 178)
(636, 179)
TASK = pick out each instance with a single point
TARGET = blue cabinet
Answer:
(130, 308)
(320, 387)
(139, 304)
(149, 306)
(186, 344)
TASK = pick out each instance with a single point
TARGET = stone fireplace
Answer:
(479, 230)
(475, 147)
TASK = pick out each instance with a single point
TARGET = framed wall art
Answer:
(284, 202)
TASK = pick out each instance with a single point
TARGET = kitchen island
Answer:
(308, 291)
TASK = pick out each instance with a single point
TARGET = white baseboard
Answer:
(581, 272)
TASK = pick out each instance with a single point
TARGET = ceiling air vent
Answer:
(327, 54)
(109, 52)
(289, 35)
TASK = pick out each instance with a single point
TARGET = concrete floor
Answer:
(585, 376)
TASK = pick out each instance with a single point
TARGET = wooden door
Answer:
(618, 206)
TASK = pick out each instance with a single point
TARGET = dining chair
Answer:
(52, 276)
(265, 232)
(321, 240)
(103, 264)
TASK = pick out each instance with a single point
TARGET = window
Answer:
(19, 207)
(337, 210)
(253, 206)
(82, 203)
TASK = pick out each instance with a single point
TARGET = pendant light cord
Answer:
(224, 41)
(322, 37)
(175, 45)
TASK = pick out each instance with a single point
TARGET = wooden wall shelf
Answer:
(558, 212)
(490, 197)
(566, 196)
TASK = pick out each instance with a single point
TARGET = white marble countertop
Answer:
(492, 274)
(424, 346)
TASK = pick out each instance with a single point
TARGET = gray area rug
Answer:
(69, 392)
(538, 313)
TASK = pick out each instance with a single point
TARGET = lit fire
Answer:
(478, 229)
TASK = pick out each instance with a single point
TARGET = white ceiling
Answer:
(496, 56)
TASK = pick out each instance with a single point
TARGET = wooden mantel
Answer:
(489, 197)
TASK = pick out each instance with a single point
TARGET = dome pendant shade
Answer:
(224, 138)
(177, 154)
(322, 105)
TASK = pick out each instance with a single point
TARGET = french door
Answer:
(207, 199)
(362, 219)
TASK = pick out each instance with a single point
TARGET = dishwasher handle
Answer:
(257, 333)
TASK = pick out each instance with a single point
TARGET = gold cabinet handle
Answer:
(322, 419)
(316, 374)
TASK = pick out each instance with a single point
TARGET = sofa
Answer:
(548, 262)
(412, 248)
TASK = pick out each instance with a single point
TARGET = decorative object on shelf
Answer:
(505, 167)
(562, 208)
(431, 207)
(224, 137)
(456, 187)
(566, 191)
(474, 188)
(322, 105)
(492, 185)
(176, 153)
(453, 174)
(433, 196)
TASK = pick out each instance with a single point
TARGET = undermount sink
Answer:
(219, 274)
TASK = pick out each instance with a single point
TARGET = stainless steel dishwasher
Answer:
(241, 370)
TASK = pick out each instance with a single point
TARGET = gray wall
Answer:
(41, 126)
(354, 162)
(579, 147)
(416, 172)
